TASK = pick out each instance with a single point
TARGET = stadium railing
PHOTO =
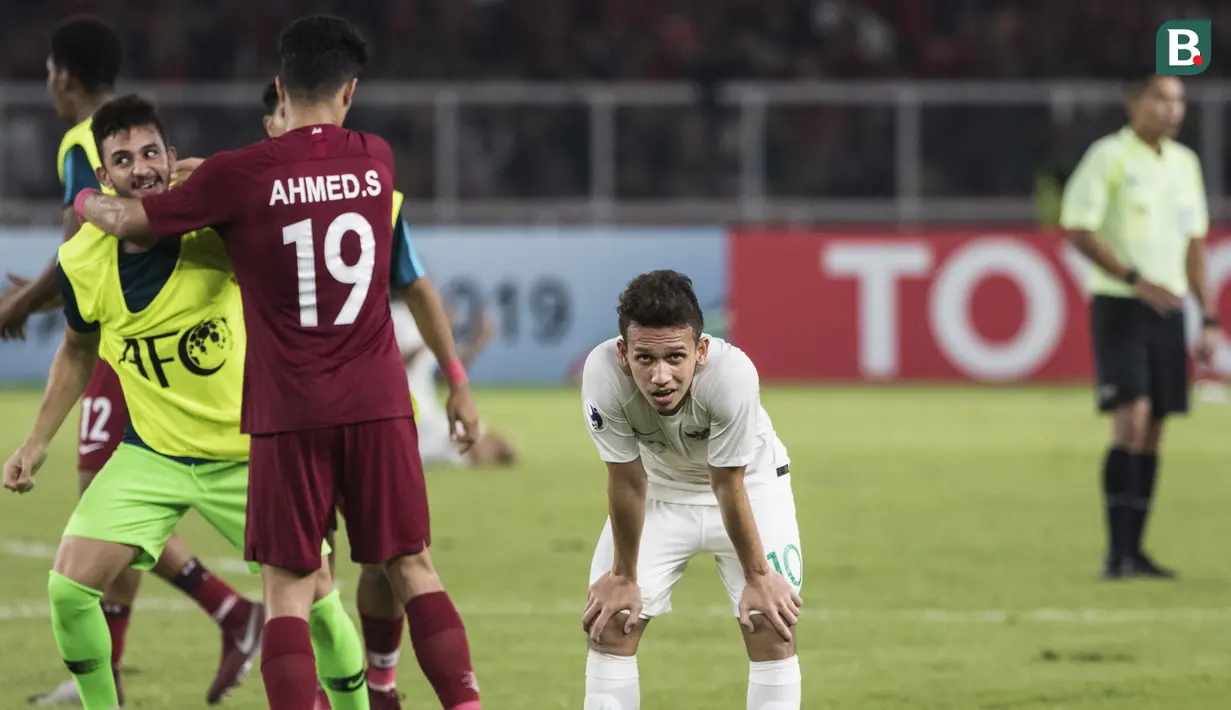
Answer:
(529, 153)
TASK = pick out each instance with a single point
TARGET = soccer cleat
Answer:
(64, 694)
(322, 700)
(237, 656)
(1115, 568)
(384, 699)
(1142, 566)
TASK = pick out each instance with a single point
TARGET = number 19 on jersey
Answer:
(357, 275)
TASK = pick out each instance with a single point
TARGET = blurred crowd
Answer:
(678, 152)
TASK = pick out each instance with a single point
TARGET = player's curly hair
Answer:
(121, 114)
(318, 55)
(89, 49)
(270, 99)
(660, 299)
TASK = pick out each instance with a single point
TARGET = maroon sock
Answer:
(383, 640)
(226, 607)
(117, 623)
(439, 639)
(287, 664)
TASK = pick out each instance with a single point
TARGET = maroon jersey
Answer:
(307, 222)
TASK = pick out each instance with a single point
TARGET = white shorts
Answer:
(675, 533)
(435, 445)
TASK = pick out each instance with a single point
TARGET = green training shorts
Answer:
(139, 497)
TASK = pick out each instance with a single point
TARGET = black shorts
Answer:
(1139, 353)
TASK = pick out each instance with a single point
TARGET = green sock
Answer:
(339, 654)
(83, 639)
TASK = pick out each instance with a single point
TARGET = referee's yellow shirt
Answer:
(1143, 204)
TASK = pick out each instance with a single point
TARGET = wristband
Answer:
(1211, 322)
(1132, 277)
(455, 372)
(79, 202)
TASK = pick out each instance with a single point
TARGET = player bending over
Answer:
(82, 67)
(327, 430)
(693, 467)
(170, 320)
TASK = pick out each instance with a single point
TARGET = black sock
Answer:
(191, 576)
(1117, 499)
(1145, 469)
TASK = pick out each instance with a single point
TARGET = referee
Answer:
(1136, 208)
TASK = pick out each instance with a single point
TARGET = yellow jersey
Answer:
(77, 160)
(1146, 205)
(171, 324)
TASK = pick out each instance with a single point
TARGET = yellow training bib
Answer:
(180, 359)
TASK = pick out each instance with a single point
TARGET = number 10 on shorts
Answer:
(789, 563)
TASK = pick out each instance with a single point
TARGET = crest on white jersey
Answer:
(698, 434)
(597, 421)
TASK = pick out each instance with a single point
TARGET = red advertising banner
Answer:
(927, 305)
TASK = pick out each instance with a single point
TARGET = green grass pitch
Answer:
(951, 542)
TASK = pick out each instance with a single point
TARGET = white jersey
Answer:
(435, 443)
(720, 424)
(421, 370)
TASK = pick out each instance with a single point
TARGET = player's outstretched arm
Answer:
(764, 591)
(734, 401)
(433, 322)
(30, 296)
(733, 503)
(122, 217)
(626, 486)
(428, 309)
(66, 382)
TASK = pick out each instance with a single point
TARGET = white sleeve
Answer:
(604, 411)
(404, 328)
(734, 404)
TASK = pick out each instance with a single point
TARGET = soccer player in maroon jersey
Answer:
(306, 221)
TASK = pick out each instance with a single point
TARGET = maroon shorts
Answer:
(104, 416)
(370, 472)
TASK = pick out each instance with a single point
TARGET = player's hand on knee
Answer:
(19, 470)
(775, 598)
(609, 596)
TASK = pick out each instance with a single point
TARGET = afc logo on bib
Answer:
(202, 350)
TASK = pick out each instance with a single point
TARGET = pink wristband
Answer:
(79, 202)
(455, 372)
